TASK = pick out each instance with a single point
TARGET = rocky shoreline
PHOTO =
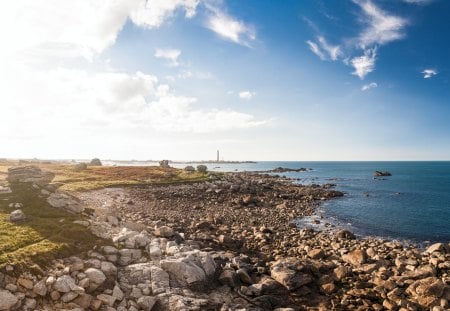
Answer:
(226, 244)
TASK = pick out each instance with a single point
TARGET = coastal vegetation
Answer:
(49, 233)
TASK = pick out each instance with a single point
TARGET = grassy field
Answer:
(95, 177)
(49, 233)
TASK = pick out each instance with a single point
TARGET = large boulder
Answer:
(202, 168)
(29, 174)
(290, 273)
(356, 257)
(17, 216)
(438, 247)
(427, 291)
(65, 201)
(189, 168)
(192, 269)
(95, 162)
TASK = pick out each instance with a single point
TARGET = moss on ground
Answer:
(47, 234)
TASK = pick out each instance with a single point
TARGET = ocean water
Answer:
(412, 204)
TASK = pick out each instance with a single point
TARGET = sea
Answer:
(411, 205)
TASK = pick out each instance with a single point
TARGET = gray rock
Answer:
(160, 280)
(7, 300)
(66, 202)
(288, 273)
(146, 302)
(154, 249)
(164, 231)
(69, 296)
(40, 288)
(117, 293)
(96, 278)
(65, 284)
(17, 216)
(180, 303)
(136, 273)
(29, 174)
(128, 256)
(106, 299)
(108, 268)
(95, 162)
(193, 269)
(83, 300)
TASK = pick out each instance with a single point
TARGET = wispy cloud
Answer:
(171, 55)
(381, 27)
(419, 2)
(369, 86)
(378, 27)
(324, 50)
(247, 94)
(152, 14)
(429, 73)
(364, 64)
(316, 49)
(230, 28)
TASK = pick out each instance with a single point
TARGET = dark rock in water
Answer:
(381, 173)
(285, 169)
(31, 174)
(95, 162)
(345, 234)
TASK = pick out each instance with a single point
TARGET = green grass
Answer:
(48, 233)
(97, 177)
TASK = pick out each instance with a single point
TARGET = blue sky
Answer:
(259, 80)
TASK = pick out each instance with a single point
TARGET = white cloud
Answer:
(381, 26)
(429, 73)
(78, 100)
(246, 95)
(364, 64)
(324, 50)
(419, 2)
(229, 28)
(152, 13)
(315, 49)
(369, 86)
(45, 29)
(169, 54)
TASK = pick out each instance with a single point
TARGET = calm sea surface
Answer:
(412, 204)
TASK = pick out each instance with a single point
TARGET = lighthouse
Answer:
(218, 156)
